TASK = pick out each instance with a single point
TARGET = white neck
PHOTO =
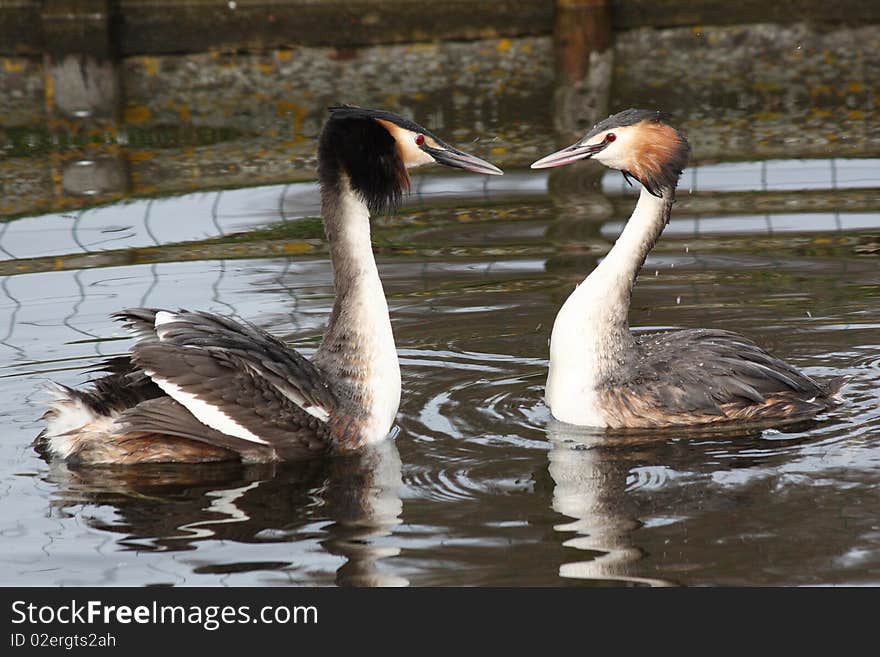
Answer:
(358, 350)
(591, 333)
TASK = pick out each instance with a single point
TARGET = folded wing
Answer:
(233, 378)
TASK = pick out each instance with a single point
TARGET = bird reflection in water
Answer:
(601, 478)
(350, 504)
(590, 482)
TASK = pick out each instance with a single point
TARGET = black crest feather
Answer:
(628, 117)
(353, 142)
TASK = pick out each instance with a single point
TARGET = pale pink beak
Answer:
(568, 155)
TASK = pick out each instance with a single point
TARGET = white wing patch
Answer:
(314, 411)
(163, 317)
(293, 395)
(215, 414)
(206, 413)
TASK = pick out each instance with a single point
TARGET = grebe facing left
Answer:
(600, 374)
(199, 387)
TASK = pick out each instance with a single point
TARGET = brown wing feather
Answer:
(706, 376)
(239, 389)
(165, 417)
(264, 354)
(244, 372)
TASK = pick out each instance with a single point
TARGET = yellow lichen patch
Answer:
(498, 150)
(140, 156)
(266, 68)
(297, 247)
(767, 116)
(762, 85)
(13, 65)
(283, 107)
(137, 114)
(151, 65)
(284, 55)
(183, 113)
(49, 91)
(297, 112)
(503, 45)
(856, 115)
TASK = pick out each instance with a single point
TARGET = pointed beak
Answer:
(568, 155)
(452, 157)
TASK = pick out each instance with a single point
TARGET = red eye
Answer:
(610, 137)
(420, 139)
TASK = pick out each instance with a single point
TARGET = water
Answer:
(480, 485)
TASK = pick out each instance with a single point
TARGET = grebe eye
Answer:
(420, 139)
(610, 137)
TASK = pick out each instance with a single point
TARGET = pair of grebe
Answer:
(199, 387)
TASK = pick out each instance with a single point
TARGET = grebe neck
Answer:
(358, 350)
(591, 336)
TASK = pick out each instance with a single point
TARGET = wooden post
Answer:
(583, 40)
(83, 95)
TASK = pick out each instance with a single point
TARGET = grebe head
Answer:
(640, 143)
(375, 148)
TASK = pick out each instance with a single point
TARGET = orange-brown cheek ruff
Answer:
(657, 156)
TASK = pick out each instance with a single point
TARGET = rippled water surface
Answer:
(480, 486)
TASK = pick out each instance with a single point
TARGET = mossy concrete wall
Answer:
(217, 119)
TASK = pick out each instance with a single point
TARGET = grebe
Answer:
(199, 387)
(600, 374)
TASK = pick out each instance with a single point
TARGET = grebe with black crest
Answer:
(200, 387)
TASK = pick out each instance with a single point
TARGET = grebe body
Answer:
(600, 374)
(199, 387)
